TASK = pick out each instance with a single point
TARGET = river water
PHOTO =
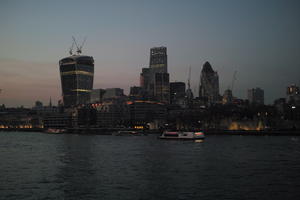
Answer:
(45, 166)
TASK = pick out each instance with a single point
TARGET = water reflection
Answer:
(111, 167)
(77, 172)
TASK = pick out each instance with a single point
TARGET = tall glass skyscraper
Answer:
(159, 59)
(155, 79)
(77, 75)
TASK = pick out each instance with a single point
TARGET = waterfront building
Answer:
(155, 79)
(58, 120)
(77, 74)
(256, 96)
(209, 84)
(143, 113)
(112, 113)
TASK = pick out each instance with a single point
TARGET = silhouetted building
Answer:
(293, 95)
(227, 97)
(256, 96)
(58, 120)
(136, 91)
(155, 79)
(177, 92)
(97, 95)
(280, 104)
(209, 84)
(113, 93)
(77, 73)
(38, 104)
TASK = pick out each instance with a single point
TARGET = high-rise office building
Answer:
(159, 59)
(155, 79)
(256, 96)
(209, 84)
(177, 92)
(77, 74)
(293, 94)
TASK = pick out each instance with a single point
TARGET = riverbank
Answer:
(109, 131)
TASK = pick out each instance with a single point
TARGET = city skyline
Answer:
(259, 40)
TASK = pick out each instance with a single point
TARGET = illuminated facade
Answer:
(77, 74)
(155, 79)
(159, 59)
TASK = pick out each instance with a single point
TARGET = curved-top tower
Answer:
(77, 75)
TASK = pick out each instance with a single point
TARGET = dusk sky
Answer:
(260, 39)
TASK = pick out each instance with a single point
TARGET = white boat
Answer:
(55, 131)
(182, 135)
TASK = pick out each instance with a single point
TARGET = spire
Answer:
(50, 102)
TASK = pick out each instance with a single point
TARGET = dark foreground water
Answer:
(43, 166)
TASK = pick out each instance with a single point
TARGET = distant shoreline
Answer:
(109, 131)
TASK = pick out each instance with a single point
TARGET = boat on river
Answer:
(55, 131)
(183, 135)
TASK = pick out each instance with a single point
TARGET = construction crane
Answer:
(233, 80)
(79, 48)
(71, 49)
(189, 80)
(189, 92)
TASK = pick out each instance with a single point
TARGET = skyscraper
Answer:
(155, 79)
(77, 74)
(293, 94)
(159, 59)
(256, 96)
(209, 84)
(177, 92)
